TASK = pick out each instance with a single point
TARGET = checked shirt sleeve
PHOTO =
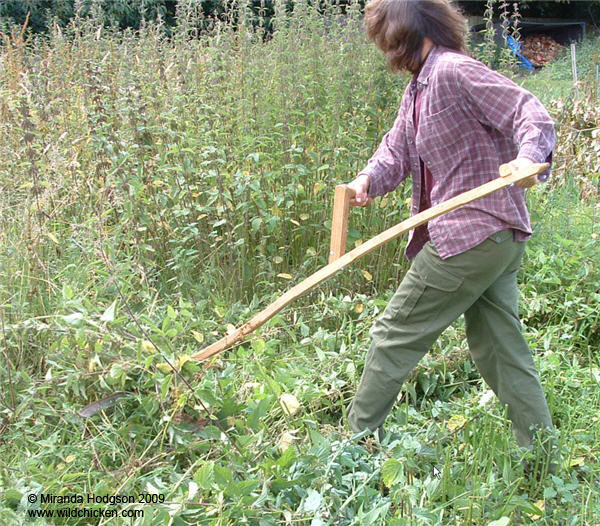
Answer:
(390, 163)
(499, 103)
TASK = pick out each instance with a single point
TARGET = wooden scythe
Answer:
(339, 229)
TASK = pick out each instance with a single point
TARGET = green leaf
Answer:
(259, 411)
(256, 224)
(109, 314)
(259, 345)
(164, 368)
(520, 503)
(67, 292)
(273, 385)
(241, 488)
(223, 476)
(74, 319)
(313, 501)
(287, 458)
(12, 496)
(116, 371)
(549, 493)
(391, 471)
(374, 516)
(164, 388)
(502, 521)
(205, 476)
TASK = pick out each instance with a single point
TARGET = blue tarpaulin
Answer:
(515, 47)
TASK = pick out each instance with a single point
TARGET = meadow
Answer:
(157, 191)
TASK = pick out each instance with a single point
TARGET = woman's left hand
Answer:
(519, 164)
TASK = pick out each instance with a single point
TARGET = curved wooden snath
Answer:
(507, 179)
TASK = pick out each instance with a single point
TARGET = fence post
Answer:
(574, 62)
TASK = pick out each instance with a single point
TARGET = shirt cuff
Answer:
(375, 187)
(533, 154)
(529, 151)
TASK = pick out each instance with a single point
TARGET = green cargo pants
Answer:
(482, 284)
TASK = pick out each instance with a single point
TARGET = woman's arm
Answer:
(390, 163)
(499, 103)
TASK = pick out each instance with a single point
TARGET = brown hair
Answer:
(398, 28)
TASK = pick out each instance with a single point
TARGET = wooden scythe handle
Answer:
(507, 179)
(339, 221)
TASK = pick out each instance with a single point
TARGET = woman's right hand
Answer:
(360, 185)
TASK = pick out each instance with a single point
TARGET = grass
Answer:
(155, 191)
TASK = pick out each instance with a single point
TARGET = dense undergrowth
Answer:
(156, 191)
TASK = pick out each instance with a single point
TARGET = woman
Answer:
(458, 121)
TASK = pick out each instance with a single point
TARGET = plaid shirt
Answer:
(472, 119)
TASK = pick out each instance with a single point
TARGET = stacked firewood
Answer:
(540, 49)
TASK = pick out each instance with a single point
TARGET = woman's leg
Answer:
(504, 359)
(432, 295)
(398, 342)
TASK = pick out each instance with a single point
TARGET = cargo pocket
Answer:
(433, 288)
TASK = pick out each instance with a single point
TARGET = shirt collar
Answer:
(420, 81)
